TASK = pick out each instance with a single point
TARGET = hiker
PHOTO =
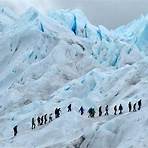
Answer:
(100, 111)
(130, 106)
(139, 104)
(42, 120)
(45, 118)
(91, 112)
(38, 120)
(134, 107)
(120, 109)
(50, 117)
(33, 123)
(115, 109)
(69, 108)
(106, 109)
(15, 130)
(81, 110)
(57, 112)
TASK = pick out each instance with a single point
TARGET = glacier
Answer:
(49, 61)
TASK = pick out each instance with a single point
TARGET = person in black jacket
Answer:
(45, 118)
(81, 110)
(106, 110)
(50, 117)
(33, 123)
(42, 120)
(69, 108)
(15, 130)
(57, 112)
(134, 107)
(38, 120)
(91, 112)
(100, 111)
(130, 106)
(139, 104)
(120, 109)
(115, 110)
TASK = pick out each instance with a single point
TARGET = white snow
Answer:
(41, 70)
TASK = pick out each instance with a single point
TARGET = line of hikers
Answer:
(41, 120)
(44, 119)
(92, 112)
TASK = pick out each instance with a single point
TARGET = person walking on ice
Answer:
(139, 104)
(38, 120)
(33, 123)
(106, 110)
(130, 106)
(57, 112)
(42, 120)
(134, 107)
(50, 117)
(91, 112)
(45, 118)
(115, 110)
(120, 109)
(81, 110)
(15, 130)
(69, 108)
(100, 111)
